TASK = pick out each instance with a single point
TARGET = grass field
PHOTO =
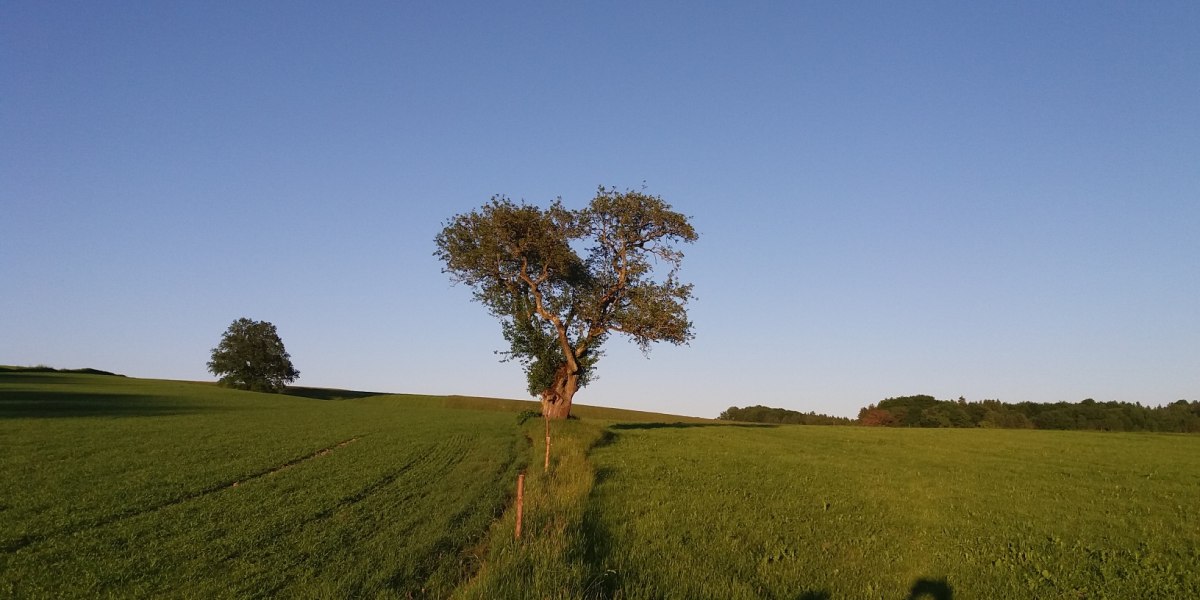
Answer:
(848, 512)
(119, 487)
(116, 487)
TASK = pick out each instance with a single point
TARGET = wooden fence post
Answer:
(546, 466)
(520, 501)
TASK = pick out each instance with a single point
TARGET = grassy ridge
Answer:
(551, 560)
(597, 413)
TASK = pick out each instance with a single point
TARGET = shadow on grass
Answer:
(602, 580)
(24, 404)
(607, 437)
(21, 378)
(931, 589)
(327, 394)
(680, 425)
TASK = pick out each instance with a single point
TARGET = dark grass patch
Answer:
(28, 404)
(327, 393)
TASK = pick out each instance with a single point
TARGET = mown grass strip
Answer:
(551, 560)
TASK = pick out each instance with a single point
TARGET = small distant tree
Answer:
(562, 281)
(251, 357)
(877, 417)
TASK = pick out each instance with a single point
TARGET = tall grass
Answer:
(551, 560)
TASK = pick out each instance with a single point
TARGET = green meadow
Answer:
(856, 512)
(119, 487)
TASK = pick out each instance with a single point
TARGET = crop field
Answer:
(856, 512)
(117, 487)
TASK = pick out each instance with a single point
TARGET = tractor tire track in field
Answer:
(29, 539)
(425, 458)
(442, 461)
(454, 546)
(287, 465)
(371, 488)
(361, 494)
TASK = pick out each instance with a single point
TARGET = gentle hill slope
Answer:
(71, 392)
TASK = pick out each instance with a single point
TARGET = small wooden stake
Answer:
(520, 501)
(546, 467)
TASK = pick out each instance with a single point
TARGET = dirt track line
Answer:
(419, 459)
(288, 465)
(28, 540)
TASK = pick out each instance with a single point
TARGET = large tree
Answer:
(562, 281)
(251, 357)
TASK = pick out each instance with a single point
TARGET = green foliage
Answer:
(562, 281)
(926, 411)
(252, 357)
(783, 416)
(526, 415)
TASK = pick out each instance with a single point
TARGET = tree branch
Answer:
(540, 307)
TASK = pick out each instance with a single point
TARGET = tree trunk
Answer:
(556, 400)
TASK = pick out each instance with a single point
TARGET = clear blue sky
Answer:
(895, 198)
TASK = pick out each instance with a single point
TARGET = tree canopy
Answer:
(252, 357)
(926, 411)
(767, 414)
(562, 281)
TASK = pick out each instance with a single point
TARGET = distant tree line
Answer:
(766, 414)
(926, 411)
(45, 369)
